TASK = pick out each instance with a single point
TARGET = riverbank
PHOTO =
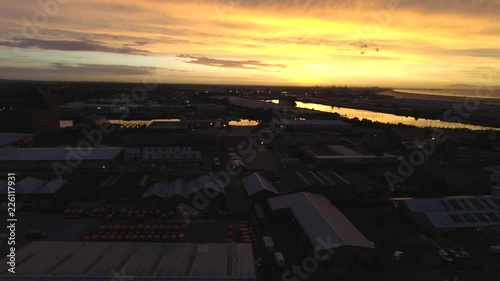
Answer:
(480, 111)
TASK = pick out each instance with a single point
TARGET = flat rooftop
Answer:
(458, 212)
(110, 260)
(58, 153)
(8, 138)
(341, 152)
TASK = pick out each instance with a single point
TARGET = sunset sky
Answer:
(406, 43)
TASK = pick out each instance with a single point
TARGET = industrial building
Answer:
(90, 158)
(345, 158)
(41, 116)
(465, 216)
(139, 261)
(169, 159)
(16, 139)
(323, 228)
(180, 190)
(37, 193)
(89, 121)
(312, 125)
(259, 187)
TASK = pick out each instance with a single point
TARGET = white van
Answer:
(279, 259)
(495, 249)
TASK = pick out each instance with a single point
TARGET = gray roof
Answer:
(179, 187)
(31, 185)
(8, 138)
(457, 212)
(109, 260)
(319, 219)
(256, 183)
(58, 153)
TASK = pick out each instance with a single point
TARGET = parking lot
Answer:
(421, 253)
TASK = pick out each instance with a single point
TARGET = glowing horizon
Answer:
(260, 42)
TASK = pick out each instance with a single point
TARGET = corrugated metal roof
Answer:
(320, 220)
(256, 183)
(8, 138)
(88, 260)
(182, 188)
(57, 154)
(458, 212)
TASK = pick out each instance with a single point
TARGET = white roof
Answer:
(158, 261)
(458, 212)
(320, 220)
(182, 188)
(8, 138)
(58, 153)
(256, 183)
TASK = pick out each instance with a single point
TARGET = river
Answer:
(387, 118)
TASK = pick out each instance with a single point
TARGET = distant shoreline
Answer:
(430, 97)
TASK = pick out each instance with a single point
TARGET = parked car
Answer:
(445, 256)
(279, 259)
(495, 249)
(397, 255)
(459, 253)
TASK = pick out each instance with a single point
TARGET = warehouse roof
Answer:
(319, 219)
(256, 183)
(58, 153)
(31, 185)
(182, 188)
(8, 138)
(458, 212)
(109, 260)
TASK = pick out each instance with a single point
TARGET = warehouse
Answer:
(259, 187)
(324, 229)
(313, 125)
(345, 158)
(456, 216)
(16, 139)
(39, 193)
(158, 261)
(179, 191)
(26, 159)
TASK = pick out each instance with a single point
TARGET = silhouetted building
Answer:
(144, 261)
(38, 116)
(16, 139)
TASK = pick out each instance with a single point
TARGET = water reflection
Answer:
(387, 118)
(244, 122)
